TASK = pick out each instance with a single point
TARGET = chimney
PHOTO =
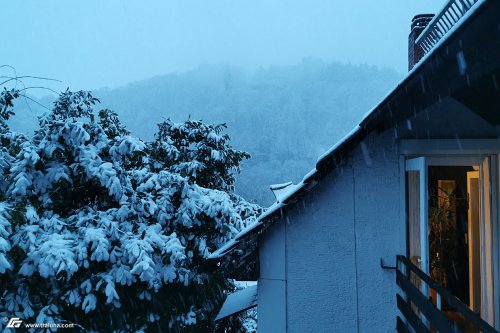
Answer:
(415, 52)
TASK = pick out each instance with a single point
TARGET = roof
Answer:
(382, 115)
(238, 302)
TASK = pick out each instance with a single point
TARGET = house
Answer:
(396, 228)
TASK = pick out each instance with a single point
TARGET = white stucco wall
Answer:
(271, 287)
(321, 284)
(380, 230)
(334, 241)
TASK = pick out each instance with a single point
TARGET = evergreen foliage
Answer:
(101, 229)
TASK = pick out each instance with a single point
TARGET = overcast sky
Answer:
(96, 43)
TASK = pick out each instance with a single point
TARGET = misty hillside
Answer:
(285, 117)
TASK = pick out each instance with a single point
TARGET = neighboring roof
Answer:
(372, 120)
(238, 302)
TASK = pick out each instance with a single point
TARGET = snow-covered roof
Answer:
(245, 232)
(282, 192)
(308, 182)
(238, 302)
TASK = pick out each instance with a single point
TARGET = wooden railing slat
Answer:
(401, 326)
(410, 316)
(448, 298)
(430, 311)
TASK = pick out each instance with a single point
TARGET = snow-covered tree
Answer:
(101, 229)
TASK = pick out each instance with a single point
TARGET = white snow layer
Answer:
(239, 301)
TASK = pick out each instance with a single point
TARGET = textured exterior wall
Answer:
(271, 287)
(321, 294)
(335, 239)
(380, 230)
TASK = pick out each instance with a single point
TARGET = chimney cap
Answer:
(421, 20)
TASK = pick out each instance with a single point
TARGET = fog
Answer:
(290, 78)
(93, 44)
(285, 116)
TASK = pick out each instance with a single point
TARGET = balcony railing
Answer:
(443, 22)
(424, 315)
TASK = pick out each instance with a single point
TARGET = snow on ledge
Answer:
(282, 191)
(251, 227)
(239, 301)
(339, 143)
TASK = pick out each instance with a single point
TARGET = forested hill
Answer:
(285, 117)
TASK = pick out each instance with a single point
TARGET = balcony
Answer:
(443, 22)
(428, 307)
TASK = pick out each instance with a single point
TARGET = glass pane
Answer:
(448, 228)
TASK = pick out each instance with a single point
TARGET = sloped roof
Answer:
(238, 302)
(380, 116)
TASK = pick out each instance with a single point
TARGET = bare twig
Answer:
(44, 88)
(17, 78)
(35, 101)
